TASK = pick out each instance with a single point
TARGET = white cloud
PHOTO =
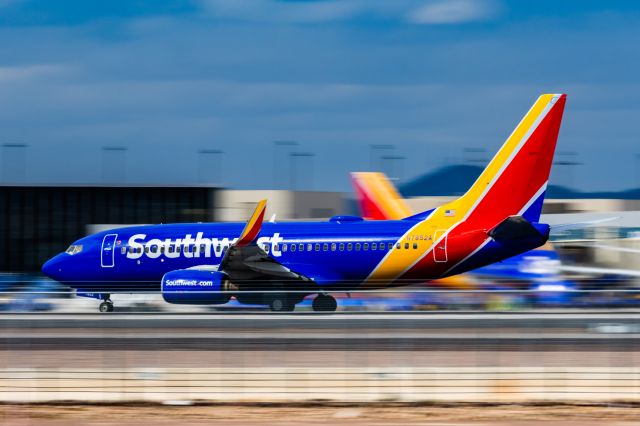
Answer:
(454, 12)
(29, 72)
(275, 11)
(5, 3)
(415, 11)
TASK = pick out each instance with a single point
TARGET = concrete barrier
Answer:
(469, 384)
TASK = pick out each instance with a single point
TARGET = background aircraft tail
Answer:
(377, 198)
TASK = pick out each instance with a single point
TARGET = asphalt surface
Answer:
(309, 332)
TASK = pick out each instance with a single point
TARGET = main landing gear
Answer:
(324, 303)
(284, 303)
(281, 303)
(106, 305)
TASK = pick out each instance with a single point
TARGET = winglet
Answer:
(252, 228)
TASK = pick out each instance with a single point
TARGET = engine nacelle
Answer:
(195, 287)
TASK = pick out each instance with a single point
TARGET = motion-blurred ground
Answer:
(380, 414)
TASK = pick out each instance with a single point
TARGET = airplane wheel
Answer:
(324, 303)
(281, 304)
(106, 307)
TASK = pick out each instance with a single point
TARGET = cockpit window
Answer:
(74, 249)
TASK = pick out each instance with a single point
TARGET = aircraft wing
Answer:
(245, 260)
(561, 227)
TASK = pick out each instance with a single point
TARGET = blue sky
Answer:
(169, 78)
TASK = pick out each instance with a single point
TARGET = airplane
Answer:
(279, 264)
(379, 199)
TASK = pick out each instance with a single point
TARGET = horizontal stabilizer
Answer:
(515, 228)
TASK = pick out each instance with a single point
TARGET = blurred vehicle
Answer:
(23, 293)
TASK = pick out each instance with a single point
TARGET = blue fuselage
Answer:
(135, 258)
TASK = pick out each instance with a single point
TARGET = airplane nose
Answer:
(52, 267)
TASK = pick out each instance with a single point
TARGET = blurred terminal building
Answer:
(38, 221)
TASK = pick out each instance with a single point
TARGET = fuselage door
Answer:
(440, 249)
(108, 251)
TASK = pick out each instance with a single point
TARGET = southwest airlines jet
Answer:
(279, 264)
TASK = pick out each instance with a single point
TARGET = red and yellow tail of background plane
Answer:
(378, 198)
(513, 184)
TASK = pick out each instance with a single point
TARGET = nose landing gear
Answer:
(324, 303)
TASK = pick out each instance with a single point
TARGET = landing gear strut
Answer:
(107, 305)
(324, 303)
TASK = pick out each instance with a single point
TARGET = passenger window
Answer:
(300, 247)
(390, 246)
(132, 250)
(293, 247)
(406, 245)
(266, 248)
(365, 246)
(218, 248)
(146, 249)
(309, 247)
(398, 245)
(202, 247)
(341, 246)
(349, 247)
(161, 249)
(415, 246)
(317, 247)
(170, 249)
(357, 246)
(374, 246)
(123, 250)
(284, 247)
(325, 247)
(333, 247)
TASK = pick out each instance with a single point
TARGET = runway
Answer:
(311, 332)
(506, 357)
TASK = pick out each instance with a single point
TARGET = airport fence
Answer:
(290, 384)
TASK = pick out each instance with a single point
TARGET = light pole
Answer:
(399, 159)
(14, 164)
(113, 164)
(474, 155)
(638, 170)
(278, 146)
(210, 166)
(293, 158)
(570, 161)
(373, 158)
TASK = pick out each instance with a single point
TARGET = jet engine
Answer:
(195, 287)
